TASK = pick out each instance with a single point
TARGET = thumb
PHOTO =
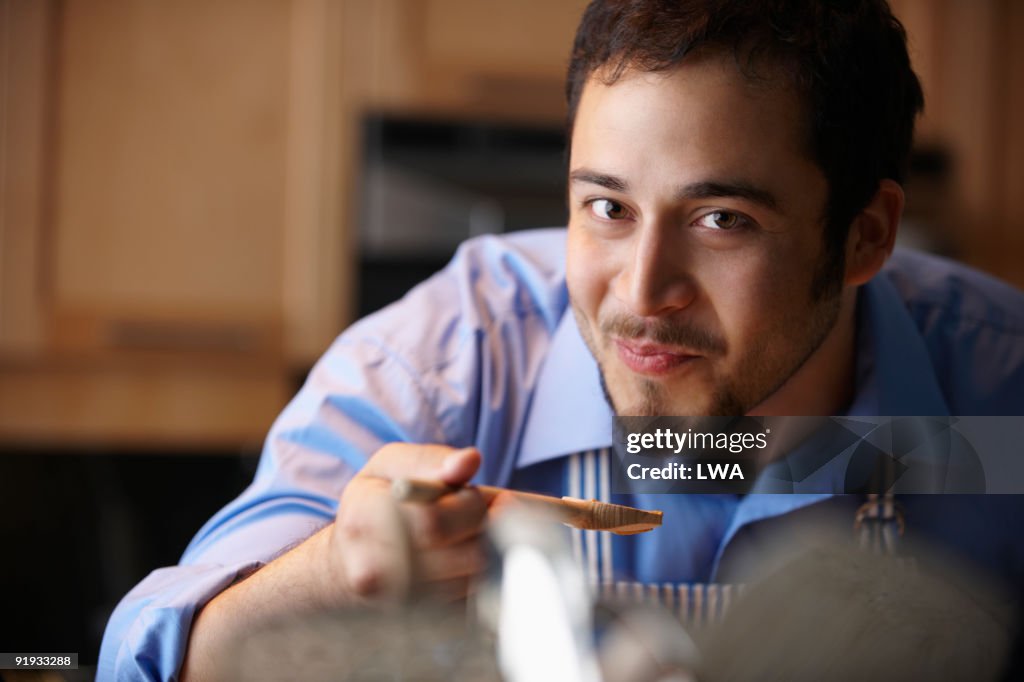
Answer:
(435, 462)
(460, 465)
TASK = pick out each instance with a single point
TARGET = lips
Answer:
(652, 359)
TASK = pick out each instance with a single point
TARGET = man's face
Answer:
(695, 233)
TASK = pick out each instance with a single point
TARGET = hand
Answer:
(371, 555)
(376, 549)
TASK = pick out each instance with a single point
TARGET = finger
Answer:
(361, 507)
(459, 466)
(464, 560)
(377, 559)
(449, 520)
(370, 573)
(408, 460)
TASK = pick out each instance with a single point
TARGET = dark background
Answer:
(81, 529)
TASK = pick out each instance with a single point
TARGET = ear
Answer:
(873, 233)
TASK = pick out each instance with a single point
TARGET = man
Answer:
(734, 194)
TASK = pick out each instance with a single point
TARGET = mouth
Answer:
(651, 359)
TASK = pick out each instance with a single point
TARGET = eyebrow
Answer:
(602, 180)
(706, 189)
(738, 188)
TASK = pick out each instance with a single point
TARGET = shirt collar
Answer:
(902, 376)
(569, 412)
(895, 377)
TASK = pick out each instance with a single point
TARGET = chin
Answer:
(656, 401)
(648, 398)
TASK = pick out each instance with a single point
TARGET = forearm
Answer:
(294, 582)
(365, 557)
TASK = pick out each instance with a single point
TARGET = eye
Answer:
(722, 220)
(608, 209)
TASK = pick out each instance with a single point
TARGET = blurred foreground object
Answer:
(832, 611)
(544, 623)
(424, 643)
(839, 613)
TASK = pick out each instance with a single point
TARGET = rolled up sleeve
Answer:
(148, 632)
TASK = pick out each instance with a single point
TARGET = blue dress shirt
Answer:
(484, 353)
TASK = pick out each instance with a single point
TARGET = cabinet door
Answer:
(169, 193)
(25, 64)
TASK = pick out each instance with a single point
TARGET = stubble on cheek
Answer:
(779, 352)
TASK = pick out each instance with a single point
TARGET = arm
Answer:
(452, 363)
(357, 559)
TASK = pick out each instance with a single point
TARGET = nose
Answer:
(655, 279)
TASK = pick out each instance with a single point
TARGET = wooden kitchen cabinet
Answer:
(488, 59)
(971, 63)
(169, 186)
(173, 247)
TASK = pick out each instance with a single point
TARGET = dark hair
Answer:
(846, 59)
